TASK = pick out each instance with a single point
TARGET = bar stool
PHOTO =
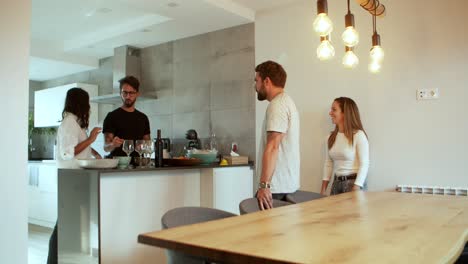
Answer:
(250, 205)
(302, 196)
(464, 256)
(185, 216)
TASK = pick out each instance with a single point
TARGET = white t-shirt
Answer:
(282, 116)
(345, 159)
(69, 135)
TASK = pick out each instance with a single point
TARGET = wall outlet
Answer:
(427, 94)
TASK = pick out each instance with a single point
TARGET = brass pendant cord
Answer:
(374, 22)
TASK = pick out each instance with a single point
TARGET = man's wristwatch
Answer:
(264, 185)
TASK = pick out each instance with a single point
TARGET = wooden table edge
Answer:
(460, 248)
(224, 256)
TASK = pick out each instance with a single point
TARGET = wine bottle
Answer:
(159, 150)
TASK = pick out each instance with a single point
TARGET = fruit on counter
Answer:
(223, 162)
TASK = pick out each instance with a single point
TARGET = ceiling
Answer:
(69, 36)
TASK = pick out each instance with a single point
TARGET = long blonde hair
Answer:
(352, 120)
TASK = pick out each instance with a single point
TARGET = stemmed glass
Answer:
(140, 148)
(128, 146)
(149, 150)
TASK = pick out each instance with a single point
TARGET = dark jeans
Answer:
(52, 258)
(344, 185)
(277, 196)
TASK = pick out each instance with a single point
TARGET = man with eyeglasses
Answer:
(125, 122)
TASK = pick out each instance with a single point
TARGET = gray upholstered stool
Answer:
(251, 205)
(186, 216)
(302, 196)
(464, 256)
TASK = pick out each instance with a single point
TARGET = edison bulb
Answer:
(350, 37)
(350, 60)
(375, 66)
(323, 26)
(325, 50)
(377, 54)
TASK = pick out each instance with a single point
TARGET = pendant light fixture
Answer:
(350, 60)
(376, 53)
(350, 36)
(323, 26)
(325, 50)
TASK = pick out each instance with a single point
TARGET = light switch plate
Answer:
(427, 94)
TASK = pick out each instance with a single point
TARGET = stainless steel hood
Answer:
(126, 61)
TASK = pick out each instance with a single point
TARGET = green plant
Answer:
(38, 130)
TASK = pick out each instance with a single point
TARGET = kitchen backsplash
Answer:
(42, 146)
(204, 82)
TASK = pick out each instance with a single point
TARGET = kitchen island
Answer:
(102, 211)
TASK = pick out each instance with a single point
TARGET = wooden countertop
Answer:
(357, 227)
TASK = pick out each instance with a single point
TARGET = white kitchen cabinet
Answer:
(49, 103)
(42, 194)
(225, 188)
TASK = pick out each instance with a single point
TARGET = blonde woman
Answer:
(347, 150)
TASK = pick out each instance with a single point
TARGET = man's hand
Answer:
(117, 142)
(264, 198)
(356, 187)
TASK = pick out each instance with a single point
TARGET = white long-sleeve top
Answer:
(69, 135)
(344, 158)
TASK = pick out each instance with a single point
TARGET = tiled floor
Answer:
(38, 246)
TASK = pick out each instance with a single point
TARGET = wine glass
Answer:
(128, 147)
(149, 149)
(140, 148)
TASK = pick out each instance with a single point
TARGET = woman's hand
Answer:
(94, 133)
(95, 154)
(356, 187)
(323, 190)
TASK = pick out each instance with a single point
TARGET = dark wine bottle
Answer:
(159, 150)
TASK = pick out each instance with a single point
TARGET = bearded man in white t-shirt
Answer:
(279, 165)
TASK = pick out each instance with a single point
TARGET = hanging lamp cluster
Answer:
(323, 26)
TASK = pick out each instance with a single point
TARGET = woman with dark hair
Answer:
(72, 140)
(347, 151)
(73, 143)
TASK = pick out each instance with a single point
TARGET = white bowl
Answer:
(98, 163)
(203, 151)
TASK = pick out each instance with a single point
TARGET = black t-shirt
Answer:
(126, 125)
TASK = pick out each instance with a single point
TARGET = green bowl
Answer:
(123, 161)
(205, 158)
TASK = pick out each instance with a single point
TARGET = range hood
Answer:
(126, 61)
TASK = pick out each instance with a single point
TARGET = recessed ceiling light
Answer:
(90, 13)
(172, 4)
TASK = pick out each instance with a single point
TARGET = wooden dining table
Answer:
(355, 227)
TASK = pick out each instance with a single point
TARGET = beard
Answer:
(261, 95)
(128, 102)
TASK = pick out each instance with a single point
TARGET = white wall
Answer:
(14, 54)
(411, 142)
